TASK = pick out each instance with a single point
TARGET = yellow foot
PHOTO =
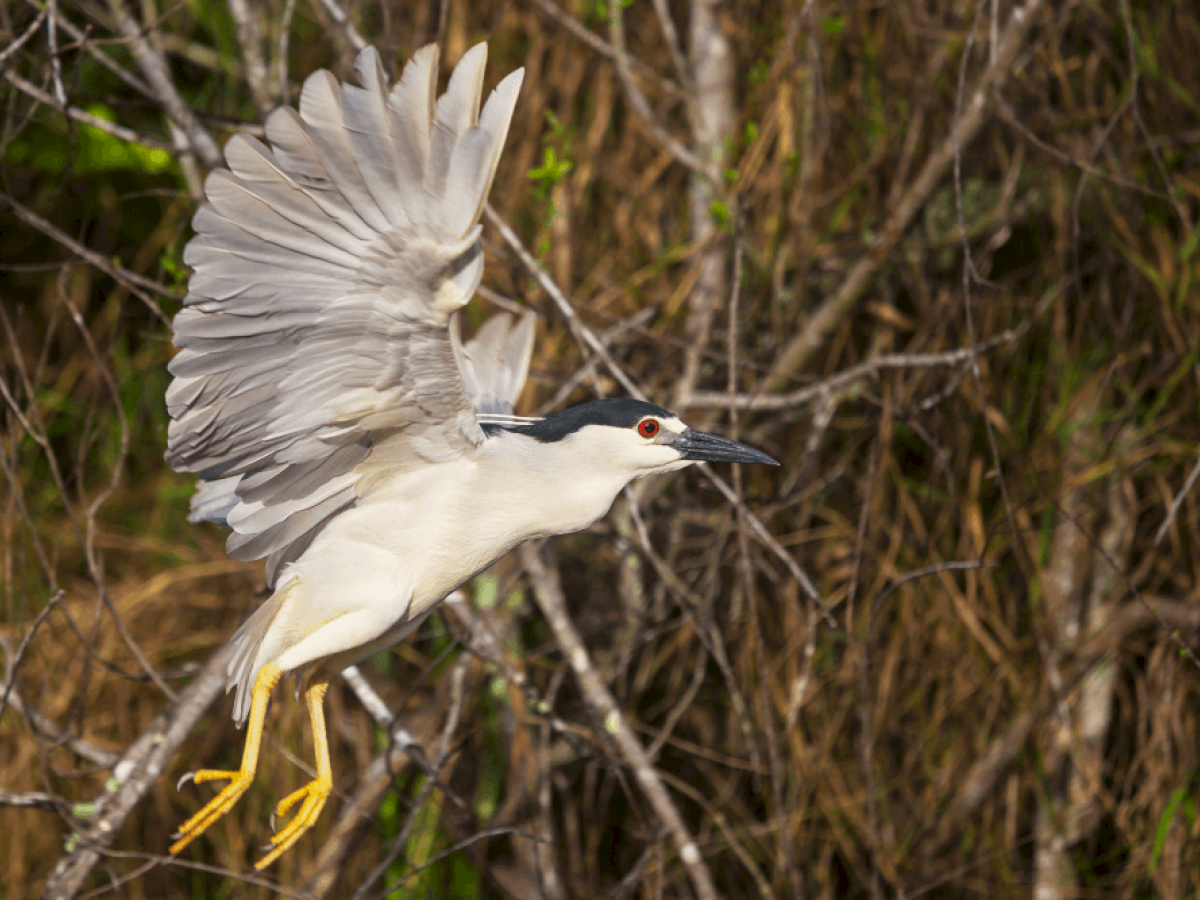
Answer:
(266, 679)
(314, 795)
(216, 807)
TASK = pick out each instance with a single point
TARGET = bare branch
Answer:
(20, 41)
(134, 283)
(32, 800)
(282, 86)
(342, 20)
(83, 39)
(556, 13)
(582, 332)
(251, 43)
(682, 154)
(847, 377)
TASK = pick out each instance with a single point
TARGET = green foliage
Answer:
(599, 13)
(833, 26)
(87, 151)
(720, 213)
(1164, 824)
(549, 173)
(552, 170)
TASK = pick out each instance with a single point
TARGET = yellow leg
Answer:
(315, 792)
(268, 677)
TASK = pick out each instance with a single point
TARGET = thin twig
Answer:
(20, 41)
(400, 841)
(399, 736)
(60, 89)
(842, 380)
(45, 727)
(582, 332)
(134, 283)
(556, 13)
(91, 553)
(81, 115)
(1009, 116)
(358, 813)
(32, 800)
(13, 664)
(252, 59)
(674, 49)
(282, 87)
(82, 39)
(588, 369)
(637, 100)
(1177, 502)
(342, 20)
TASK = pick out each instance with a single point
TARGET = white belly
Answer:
(379, 567)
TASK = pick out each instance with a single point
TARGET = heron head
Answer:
(632, 438)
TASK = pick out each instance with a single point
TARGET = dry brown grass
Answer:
(998, 687)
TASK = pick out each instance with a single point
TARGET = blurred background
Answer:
(939, 258)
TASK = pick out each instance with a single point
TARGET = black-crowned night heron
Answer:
(336, 422)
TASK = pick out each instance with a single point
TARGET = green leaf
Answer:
(1164, 823)
(833, 26)
(552, 169)
(720, 212)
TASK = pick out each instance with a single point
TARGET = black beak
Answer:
(704, 447)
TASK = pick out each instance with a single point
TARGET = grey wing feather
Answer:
(495, 363)
(327, 264)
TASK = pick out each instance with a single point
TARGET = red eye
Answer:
(647, 428)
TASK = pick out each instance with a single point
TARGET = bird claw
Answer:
(184, 779)
(310, 799)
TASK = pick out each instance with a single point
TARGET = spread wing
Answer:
(314, 339)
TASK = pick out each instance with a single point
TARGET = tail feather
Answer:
(249, 657)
